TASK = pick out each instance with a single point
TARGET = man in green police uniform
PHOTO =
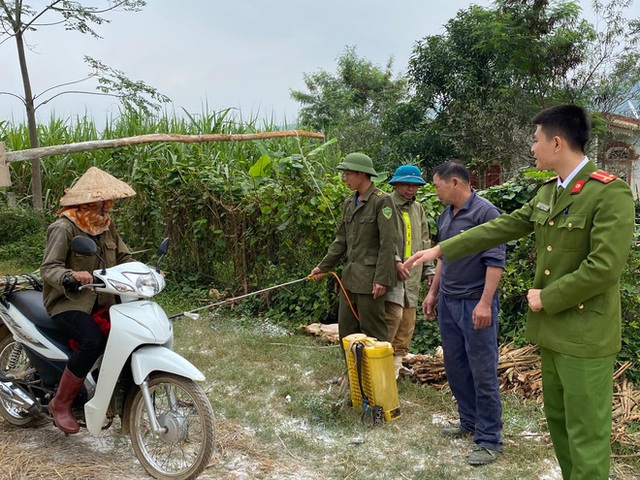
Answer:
(583, 223)
(366, 239)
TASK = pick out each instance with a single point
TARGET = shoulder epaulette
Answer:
(379, 193)
(602, 176)
(552, 179)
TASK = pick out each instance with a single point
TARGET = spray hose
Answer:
(194, 315)
(344, 292)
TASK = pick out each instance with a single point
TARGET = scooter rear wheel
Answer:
(12, 356)
(183, 451)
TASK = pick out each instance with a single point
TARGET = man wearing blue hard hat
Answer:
(402, 300)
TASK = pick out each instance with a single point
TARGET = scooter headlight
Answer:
(147, 285)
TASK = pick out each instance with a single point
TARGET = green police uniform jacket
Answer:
(582, 243)
(366, 239)
(406, 293)
(59, 260)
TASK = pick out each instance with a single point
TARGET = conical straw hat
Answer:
(96, 186)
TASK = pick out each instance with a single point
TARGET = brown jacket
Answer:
(60, 261)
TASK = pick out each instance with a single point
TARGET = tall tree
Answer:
(483, 78)
(481, 81)
(18, 19)
(610, 75)
(351, 103)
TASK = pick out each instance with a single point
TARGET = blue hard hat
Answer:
(407, 174)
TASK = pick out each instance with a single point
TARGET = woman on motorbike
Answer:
(84, 212)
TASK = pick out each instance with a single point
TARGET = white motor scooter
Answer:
(139, 378)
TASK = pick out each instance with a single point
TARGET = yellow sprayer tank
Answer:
(376, 371)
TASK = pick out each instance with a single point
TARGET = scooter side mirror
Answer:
(164, 247)
(86, 246)
(162, 251)
(83, 246)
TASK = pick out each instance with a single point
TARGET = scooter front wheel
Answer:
(183, 450)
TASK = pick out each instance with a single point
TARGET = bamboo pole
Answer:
(33, 153)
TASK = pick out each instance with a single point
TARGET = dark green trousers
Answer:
(370, 311)
(578, 394)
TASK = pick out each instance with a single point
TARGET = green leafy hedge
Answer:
(243, 216)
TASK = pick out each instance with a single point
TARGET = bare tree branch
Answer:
(27, 26)
(84, 92)
(17, 19)
(66, 84)
(14, 95)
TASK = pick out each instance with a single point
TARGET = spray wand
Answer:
(193, 315)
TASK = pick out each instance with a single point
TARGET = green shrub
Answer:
(21, 240)
(426, 336)
(240, 215)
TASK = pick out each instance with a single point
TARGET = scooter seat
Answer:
(30, 304)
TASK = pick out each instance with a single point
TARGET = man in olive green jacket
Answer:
(402, 299)
(366, 240)
(583, 224)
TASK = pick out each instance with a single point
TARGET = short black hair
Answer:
(452, 168)
(570, 122)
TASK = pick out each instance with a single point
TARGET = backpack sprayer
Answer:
(372, 377)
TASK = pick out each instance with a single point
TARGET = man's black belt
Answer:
(466, 296)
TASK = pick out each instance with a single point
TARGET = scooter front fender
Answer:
(152, 358)
(145, 360)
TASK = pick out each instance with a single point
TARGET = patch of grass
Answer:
(278, 418)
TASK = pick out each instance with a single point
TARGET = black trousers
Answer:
(82, 327)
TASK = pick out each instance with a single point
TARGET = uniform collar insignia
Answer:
(577, 187)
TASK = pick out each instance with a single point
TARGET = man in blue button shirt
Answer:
(465, 292)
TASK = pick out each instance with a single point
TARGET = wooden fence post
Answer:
(5, 178)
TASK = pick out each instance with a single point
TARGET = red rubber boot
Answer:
(60, 406)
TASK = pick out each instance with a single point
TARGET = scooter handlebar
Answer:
(72, 285)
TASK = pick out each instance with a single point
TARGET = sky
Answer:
(207, 55)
